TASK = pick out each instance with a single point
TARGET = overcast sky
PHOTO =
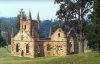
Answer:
(46, 8)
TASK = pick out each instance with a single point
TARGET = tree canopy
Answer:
(75, 10)
(2, 40)
(92, 33)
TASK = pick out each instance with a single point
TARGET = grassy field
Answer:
(4, 50)
(86, 58)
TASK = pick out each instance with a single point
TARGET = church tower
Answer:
(31, 27)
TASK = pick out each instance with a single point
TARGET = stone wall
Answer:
(55, 48)
(21, 43)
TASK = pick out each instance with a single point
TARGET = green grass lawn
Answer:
(86, 58)
(4, 50)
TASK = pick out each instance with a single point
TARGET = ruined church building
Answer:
(26, 43)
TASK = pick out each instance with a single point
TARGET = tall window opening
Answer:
(58, 34)
(27, 48)
(59, 48)
(48, 47)
(17, 48)
(25, 26)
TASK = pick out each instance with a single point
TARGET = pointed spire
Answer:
(29, 17)
(12, 34)
(38, 22)
(38, 17)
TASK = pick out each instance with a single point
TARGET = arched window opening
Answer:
(38, 48)
(27, 48)
(17, 48)
(25, 26)
(48, 47)
(58, 34)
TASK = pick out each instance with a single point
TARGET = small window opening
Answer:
(17, 48)
(27, 48)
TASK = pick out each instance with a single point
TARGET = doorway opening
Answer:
(22, 53)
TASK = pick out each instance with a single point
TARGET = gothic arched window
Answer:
(17, 48)
(27, 48)
(58, 34)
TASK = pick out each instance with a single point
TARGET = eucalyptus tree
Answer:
(75, 10)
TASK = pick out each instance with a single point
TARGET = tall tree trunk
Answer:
(7, 41)
(80, 19)
(81, 30)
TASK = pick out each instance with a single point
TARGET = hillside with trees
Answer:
(2, 40)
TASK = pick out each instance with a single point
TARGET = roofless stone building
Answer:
(26, 43)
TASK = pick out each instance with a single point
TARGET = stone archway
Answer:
(22, 53)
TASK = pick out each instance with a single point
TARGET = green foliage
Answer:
(2, 41)
(0, 25)
(69, 9)
(75, 10)
(18, 22)
(92, 32)
(41, 35)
